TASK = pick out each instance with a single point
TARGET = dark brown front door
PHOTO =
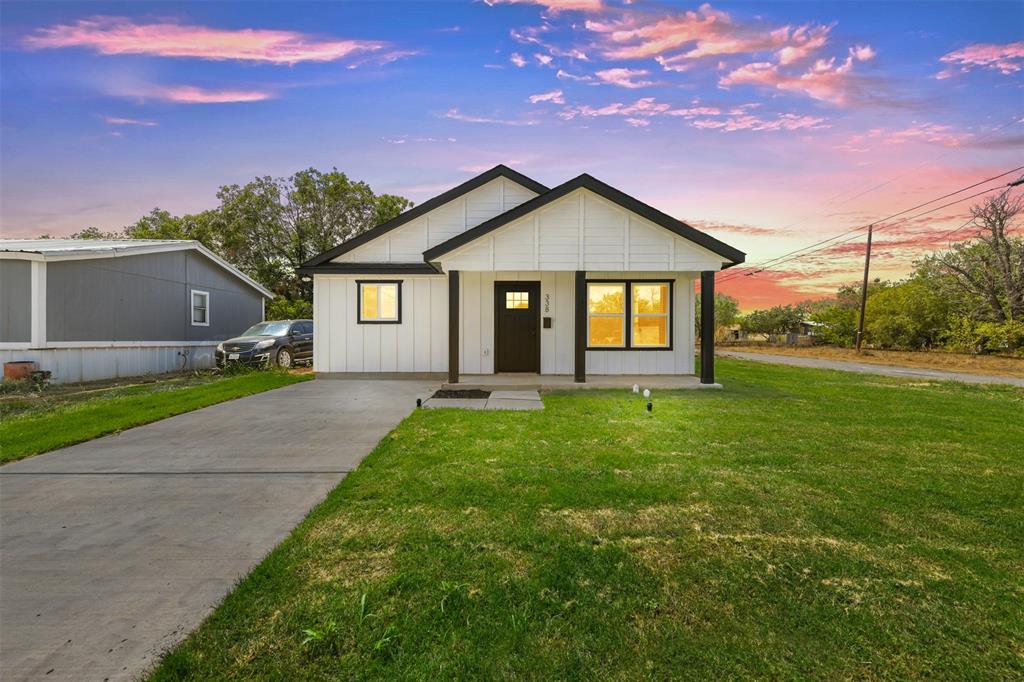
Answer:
(517, 327)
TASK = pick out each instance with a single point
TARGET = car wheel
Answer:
(284, 358)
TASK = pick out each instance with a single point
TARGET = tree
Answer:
(271, 226)
(780, 319)
(989, 269)
(908, 316)
(727, 311)
(837, 317)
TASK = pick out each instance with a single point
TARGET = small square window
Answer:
(200, 308)
(517, 300)
(380, 302)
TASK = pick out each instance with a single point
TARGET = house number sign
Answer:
(547, 303)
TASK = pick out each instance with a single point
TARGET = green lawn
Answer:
(799, 523)
(59, 416)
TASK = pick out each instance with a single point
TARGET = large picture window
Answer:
(629, 315)
(380, 302)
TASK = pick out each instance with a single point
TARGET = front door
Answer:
(517, 327)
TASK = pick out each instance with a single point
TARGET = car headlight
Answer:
(264, 344)
(220, 347)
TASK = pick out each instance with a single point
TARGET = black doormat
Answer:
(468, 393)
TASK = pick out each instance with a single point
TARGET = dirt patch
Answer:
(467, 394)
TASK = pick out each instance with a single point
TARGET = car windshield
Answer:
(267, 329)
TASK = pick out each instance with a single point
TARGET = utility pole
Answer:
(864, 288)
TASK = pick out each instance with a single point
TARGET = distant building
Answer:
(88, 309)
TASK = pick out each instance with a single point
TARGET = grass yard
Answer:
(32, 423)
(799, 523)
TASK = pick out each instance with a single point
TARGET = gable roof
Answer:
(500, 170)
(80, 249)
(606, 191)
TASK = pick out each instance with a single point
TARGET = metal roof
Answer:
(74, 249)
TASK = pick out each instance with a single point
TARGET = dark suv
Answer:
(281, 342)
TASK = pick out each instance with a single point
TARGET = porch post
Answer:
(453, 326)
(707, 327)
(580, 355)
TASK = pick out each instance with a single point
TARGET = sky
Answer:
(769, 125)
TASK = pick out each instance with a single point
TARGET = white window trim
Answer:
(191, 307)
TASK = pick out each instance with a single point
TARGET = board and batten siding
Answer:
(420, 342)
(582, 231)
(407, 243)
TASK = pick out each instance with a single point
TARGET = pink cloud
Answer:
(555, 97)
(118, 121)
(644, 107)
(554, 5)
(753, 123)
(122, 36)
(457, 115)
(518, 60)
(705, 32)
(931, 133)
(190, 94)
(825, 80)
(543, 59)
(1006, 59)
(566, 76)
(624, 78)
(693, 112)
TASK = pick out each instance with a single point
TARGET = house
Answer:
(88, 309)
(503, 274)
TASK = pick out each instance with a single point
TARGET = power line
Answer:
(772, 262)
(857, 236)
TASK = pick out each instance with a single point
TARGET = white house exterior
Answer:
(86, 309)
(502, 274)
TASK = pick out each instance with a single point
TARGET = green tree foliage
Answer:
(727, 311)
(281, 308)
(780, 319)
(907, 316)
(270, 226)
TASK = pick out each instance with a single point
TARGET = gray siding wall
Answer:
(15, 300)
(145, 298)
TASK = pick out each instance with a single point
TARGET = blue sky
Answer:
(770, 125)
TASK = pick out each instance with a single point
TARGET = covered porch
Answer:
(551, 332)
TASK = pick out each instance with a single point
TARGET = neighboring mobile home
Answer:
(88, 309)
(503, 274)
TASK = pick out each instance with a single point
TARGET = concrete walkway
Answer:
(114, 550)
(870, 368)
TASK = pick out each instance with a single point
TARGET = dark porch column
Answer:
(707, 327)
(580, 354)
(453, 327)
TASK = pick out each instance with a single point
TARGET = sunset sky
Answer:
(769, 125)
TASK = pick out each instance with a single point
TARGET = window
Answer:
(517, 300)
(650, 315)
(380, 302)
(646, 305)
(606, 315)
(200, 308)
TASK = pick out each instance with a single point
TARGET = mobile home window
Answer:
(200, 308)
(380, 302)
(629, 315)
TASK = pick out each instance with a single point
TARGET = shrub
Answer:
(281, 308)
(966, 335)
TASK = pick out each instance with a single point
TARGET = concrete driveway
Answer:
(114, 550)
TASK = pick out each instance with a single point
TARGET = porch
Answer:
(562, 382)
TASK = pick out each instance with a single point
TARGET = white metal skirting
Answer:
(94, 363)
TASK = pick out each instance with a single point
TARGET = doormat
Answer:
(470, 394)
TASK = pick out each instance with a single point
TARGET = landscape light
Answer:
(647, 393)
(636, 388)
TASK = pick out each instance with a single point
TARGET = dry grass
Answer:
(954, 362)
